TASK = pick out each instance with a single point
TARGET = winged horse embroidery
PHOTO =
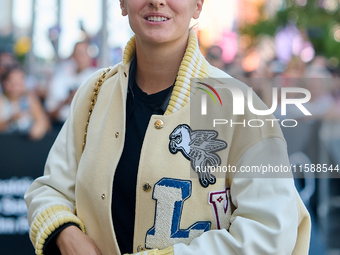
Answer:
(198, 146)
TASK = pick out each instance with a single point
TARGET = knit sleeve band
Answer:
(48, 221)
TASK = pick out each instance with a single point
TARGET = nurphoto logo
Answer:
(279, 102)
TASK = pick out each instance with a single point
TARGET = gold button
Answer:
(103, 196)
(117, 135)
(140, 248)
(159, 124)
(146, 187)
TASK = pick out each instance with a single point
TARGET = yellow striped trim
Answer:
(48, 221)
(129, 51)
(167, 251)
(192, 66)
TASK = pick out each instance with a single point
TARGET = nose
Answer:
(156, 3)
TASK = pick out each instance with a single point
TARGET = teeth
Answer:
(156, 19)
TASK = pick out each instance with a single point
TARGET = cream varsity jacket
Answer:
(176, 212)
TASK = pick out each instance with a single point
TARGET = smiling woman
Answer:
(161, 36)
(161, 21)
(95, 196)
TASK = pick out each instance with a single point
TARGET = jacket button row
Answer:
(140, 248)
(159, 124)
(146, 187)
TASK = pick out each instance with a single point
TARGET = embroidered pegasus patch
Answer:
(198, 146)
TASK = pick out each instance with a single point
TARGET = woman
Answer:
(20, 111)
(137, 141)
(65, 82)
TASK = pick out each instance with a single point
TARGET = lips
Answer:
(156, 17)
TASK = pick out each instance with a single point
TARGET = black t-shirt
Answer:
(139, 108)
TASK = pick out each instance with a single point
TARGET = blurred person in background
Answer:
(261, 87)
(275, 68)
(326, 86)
(290, 76)
(235, 68)
(318, 66)
(6, 60)
(20, 111)
(319, 82)
(295, 69)
(323, 104)
(214, 57)
(335, 113)
(260, 84)
(66, 81)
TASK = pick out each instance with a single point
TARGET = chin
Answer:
(155, 39)
(161, 38)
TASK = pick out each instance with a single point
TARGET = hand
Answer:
(72, 241)
(37, 132)
(16, 116)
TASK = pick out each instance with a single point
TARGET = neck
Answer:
(157, 65)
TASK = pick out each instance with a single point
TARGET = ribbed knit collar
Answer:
(193, 65)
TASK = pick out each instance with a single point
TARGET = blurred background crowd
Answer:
(48, 48)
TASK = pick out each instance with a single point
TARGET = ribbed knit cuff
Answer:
(48, 221)
(167, 251)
